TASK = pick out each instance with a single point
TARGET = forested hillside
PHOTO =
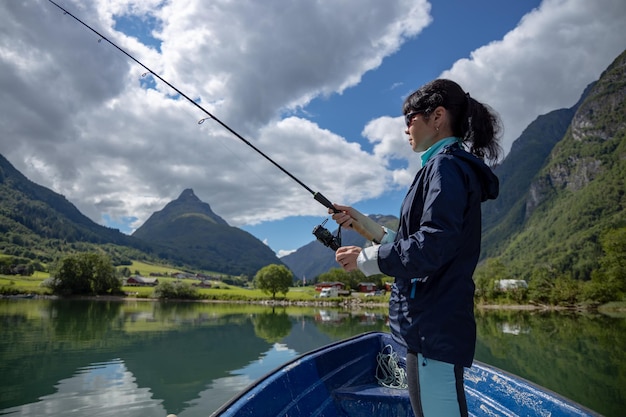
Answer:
(38, 225)
(570, 223)
(504, 216)
(559, 222)
(190, 232)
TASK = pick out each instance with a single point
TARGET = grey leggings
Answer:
(435, 387)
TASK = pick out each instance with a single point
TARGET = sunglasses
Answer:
(408, 118)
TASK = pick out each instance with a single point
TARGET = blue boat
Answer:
(343, 380)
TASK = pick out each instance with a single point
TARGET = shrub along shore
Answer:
(613, 308)
(30, 287)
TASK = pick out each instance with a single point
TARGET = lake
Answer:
(143, 358)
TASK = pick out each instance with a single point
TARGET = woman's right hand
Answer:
(344, 217)
(349, 217)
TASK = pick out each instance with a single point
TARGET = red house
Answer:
(338, 285)
(367, 287)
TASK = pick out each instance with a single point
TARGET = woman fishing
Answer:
(434, 253)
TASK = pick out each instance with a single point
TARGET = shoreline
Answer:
(608, 309)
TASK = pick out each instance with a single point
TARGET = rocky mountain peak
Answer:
(188, 196)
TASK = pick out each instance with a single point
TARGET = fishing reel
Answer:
(326, 238)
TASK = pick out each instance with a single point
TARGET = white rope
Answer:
(388, 371)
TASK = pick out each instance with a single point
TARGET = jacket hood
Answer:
(489, 180)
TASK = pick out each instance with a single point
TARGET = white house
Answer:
(139, 281)
(510, 284)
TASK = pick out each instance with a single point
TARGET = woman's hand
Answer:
(349, 217)
(344, 218)
(346, 257)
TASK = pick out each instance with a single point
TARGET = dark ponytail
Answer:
(477, 124)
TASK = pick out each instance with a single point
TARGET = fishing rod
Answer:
(323, 235)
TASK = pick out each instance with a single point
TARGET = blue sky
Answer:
(317, 86)
(458, 28)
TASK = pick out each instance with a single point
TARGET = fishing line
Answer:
(316, 195)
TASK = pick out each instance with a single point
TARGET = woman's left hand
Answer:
(346, 257)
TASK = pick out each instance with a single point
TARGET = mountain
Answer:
(504, 216)
(192, 233)
(36, 209)
(314, 258)
(39, 224)
(555, 223)
(562, 188)
(186, 205)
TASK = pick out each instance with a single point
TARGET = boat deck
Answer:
(340, 381)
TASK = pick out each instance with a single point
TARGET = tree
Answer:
(485, 277)
(273, 279)
(614, 261)
(608, 283)
(566, 290)
(85, 273)
(176, 290)
(541, 285)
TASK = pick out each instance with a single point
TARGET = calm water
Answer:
(85, 358)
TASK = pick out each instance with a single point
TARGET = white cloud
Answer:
(283, 253)
(389, 146)
(75, 118)
(546, 62)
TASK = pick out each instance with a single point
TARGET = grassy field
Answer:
(145, 269)
(219, 291)
(10, 284)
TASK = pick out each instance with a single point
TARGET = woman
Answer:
(435, 250)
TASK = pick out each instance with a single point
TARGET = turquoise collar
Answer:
(437, 147)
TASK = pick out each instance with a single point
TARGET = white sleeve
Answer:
(367, 261)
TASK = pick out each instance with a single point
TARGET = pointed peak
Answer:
(188, 203)
(188, 195)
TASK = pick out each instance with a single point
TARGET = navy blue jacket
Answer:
(434, 256)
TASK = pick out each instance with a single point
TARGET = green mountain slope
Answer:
(39, 224)
(577, 196)
(193, 234)
(562, 189)
(504, 216)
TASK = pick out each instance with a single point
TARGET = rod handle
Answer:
(355, 224)
(324, 201)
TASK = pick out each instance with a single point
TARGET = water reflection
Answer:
(166, 356)
(105, 389)
(272, 326)
(222, 389)
(145, 359)
(580, 356)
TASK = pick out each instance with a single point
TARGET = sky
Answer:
(316, 86)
